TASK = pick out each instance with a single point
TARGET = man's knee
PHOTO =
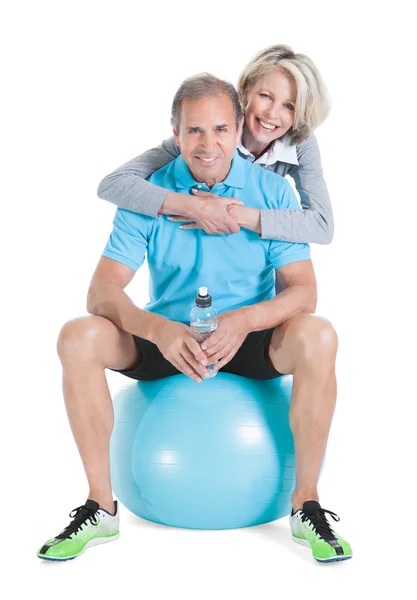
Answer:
(305, 339)
(81, 338)
(315, 336)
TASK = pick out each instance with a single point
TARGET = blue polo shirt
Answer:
(238, 269)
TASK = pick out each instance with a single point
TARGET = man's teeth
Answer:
(267, 125)
(207, 159)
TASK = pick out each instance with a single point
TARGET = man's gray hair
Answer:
(201, 86)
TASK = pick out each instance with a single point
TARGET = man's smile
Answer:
(207, 161)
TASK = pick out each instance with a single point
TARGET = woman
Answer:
(285, 100)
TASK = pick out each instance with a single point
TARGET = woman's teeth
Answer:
(267, 125)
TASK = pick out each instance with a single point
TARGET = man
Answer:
(259, 335)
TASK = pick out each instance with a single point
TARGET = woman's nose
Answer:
(273, 112)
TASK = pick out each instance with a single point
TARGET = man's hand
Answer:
(209, 212)
(176, 343)
(225, 341)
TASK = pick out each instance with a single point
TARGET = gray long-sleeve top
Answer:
(127, 188)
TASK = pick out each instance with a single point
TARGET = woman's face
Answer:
(270, 106)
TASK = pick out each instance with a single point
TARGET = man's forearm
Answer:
(111, 301)
(293, 300)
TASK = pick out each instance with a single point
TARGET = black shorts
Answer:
(248, 361)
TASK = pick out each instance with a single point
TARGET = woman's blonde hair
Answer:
(312, 104)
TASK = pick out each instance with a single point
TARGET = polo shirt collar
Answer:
(236, 177)
(280, 151)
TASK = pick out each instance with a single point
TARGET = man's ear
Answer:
(239, 129)
(176, 138)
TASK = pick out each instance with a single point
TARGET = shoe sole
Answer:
(93, 542)
(322, 560)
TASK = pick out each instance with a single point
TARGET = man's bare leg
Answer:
(306, 346)
(86, 347)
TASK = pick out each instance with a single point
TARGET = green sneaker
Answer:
(310, 527)
(91, 525)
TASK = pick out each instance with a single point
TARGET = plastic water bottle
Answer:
(203, 321)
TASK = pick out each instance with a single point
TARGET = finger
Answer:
(176, 365)
(180, 219)
(196, 350)
(203, 194)
(220, 354)
(185, 368)
(193, 226)
(233, 226)
(195, 365)
(216, 340)
(223, 361)
(225, 230)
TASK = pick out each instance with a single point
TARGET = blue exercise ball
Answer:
(215, 455)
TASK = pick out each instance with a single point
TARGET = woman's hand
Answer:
(242, 216)
(209, 212)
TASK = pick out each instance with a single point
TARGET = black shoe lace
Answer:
(80, 515)
(320, 523)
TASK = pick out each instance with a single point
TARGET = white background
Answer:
(86, 87)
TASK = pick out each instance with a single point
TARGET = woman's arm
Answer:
(313, 224)
(127, 186)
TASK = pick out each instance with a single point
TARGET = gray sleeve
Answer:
(314, 223)
(127, 186)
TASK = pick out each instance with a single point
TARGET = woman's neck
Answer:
(256, 148)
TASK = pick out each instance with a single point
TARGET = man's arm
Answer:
(107, 298)
(299, 295)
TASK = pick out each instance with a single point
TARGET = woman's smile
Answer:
(267, 125)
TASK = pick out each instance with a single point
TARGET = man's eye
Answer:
(222, 129)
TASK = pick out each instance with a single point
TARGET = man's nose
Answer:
(208, 142)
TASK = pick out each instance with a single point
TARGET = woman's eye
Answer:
(289, 106)
(265, 96)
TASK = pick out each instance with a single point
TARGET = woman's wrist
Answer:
(246, 217)
(177, 204)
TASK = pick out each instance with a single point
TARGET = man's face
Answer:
(207, 137)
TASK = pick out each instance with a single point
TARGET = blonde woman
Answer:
(285, 100)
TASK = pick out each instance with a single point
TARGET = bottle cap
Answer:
(203, 298)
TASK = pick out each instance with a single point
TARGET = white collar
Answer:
(279, 151)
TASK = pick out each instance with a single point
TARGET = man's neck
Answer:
(211, 182)
(251, 144)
